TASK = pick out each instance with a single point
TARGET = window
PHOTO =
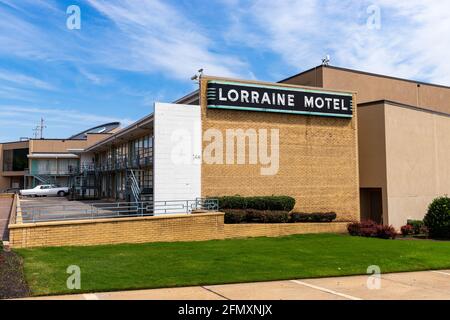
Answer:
(15, 160)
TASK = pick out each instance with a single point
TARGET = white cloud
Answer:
(24, 80)
(411, 42)
(153, 36)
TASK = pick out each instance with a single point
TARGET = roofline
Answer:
(189, 97)
(402, 105)
(125, 130)
(300, 73)
(11, 142)
(117, 123)
(368, 74)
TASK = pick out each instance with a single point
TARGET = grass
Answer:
(154, 265)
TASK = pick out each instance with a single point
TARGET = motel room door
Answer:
(371, 204)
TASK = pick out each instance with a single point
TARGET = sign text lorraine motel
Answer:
(268, 98)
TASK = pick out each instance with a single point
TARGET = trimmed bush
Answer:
(437, 219)
(272, 203)
(264, 216)
(312, 217)
(371, 229)
(235, 216)
(231, 202)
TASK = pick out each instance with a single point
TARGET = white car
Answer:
(45, 190)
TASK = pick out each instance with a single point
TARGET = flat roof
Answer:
(402, 105)
(368, 74)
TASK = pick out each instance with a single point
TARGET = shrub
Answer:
(231, 202)
(235, 216)
(437, 219)
(273, 203)
(371, 229)
(312, 217)
(386, 232)
(417, 226)
(264, 216)
(407, 230)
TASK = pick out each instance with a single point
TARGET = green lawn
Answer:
(154, 265)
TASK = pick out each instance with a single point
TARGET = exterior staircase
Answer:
(133, 189)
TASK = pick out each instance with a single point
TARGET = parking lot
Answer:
(60, 208)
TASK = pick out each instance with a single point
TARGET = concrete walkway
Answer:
(5, 209)
(402, 286)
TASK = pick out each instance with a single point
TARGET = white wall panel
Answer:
(177, 152)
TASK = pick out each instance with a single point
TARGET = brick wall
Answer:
(318, 160)
(169, 228)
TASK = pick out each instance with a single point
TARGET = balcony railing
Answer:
(119, 164)
(54, 172)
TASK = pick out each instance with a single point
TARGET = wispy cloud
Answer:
(24, 80)
(409, 44)
(156, 37)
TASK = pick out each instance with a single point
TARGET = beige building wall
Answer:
(318, 163)
(372, 151)
(403, 150)
(5, 176)
(55, 146)
(373, 88)
(418, 161)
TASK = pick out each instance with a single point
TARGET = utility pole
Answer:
(39, 130)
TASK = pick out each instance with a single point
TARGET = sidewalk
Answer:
(398, 286)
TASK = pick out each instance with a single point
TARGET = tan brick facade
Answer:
(318, 160)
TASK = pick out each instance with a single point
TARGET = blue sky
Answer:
(129, 54)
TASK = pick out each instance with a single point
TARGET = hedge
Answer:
(312, 217)
(272, 203)
(234, 216)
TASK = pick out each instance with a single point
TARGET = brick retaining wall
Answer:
(198, 227)
(170, 228)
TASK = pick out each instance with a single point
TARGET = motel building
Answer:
(363, 145)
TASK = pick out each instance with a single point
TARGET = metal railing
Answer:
(124, 163)
(134, 186)
(32, 213)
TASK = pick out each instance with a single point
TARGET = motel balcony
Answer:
(124, 164)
